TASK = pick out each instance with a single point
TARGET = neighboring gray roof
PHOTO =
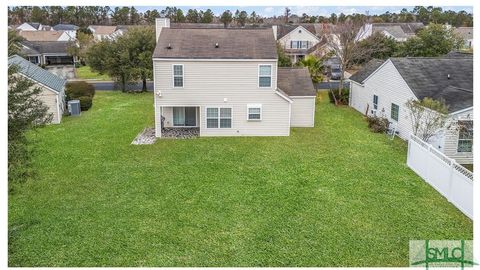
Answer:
(284, 29)
(398, 30)
(295, 81)
(450, 79)
(37, 73)
(65, 27)
(459, 54)
(464, 32)
(200, 44)
(34, 25)
(366, 70)
(40, 47)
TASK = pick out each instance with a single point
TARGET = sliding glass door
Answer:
(184, 116)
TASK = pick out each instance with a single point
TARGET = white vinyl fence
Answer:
(453, 181)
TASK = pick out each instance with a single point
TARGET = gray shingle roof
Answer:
(65, 27)
(295, 81)
(366, 70)
(46, 46)
(200, 44)
(37, 73)
(398, 30)
(450, 79)
(284, 29)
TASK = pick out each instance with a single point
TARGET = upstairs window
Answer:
(394, 111)
(177, 75)
(465, 136)
(299, 44)
(254, 112)
(265, 76)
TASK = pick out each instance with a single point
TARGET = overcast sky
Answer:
(310, 10)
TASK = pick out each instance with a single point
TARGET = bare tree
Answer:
(287, 14)
(427, 116)
(343, 42)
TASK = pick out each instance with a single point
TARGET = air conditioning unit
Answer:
(374, 112)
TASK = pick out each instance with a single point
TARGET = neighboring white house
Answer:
(30, 26)
(382, 88)
(52, 86)
(223, 82)
(466, 33)
(68, 28)
(102, 32)
(398, 31)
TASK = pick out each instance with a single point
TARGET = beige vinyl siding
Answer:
(223, 84)
(451, 140)
(390, 87)
(303, 112)
(50, 99)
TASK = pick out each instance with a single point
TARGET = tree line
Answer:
(104, 15)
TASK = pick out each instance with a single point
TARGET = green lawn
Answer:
(84, 72)
(333, 195)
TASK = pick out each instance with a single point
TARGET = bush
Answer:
(82, 91)
(85, 103)
(74, 90)
(341, 99)
(377, 124)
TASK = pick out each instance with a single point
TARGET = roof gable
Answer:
(37, 73)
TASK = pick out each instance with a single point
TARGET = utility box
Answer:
(74, 107)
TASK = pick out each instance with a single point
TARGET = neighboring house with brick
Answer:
(398, 31)
(466, 33)
(46, 35)
(52, 87)
(225, 82)
(382, 88)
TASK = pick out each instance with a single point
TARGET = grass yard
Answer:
(84, 72)
(333, 195)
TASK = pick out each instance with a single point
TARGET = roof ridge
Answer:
(460, 89)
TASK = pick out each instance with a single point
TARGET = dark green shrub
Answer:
(74, 90)
(377, 124)
(85, 103)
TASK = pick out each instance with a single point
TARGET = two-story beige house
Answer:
(225, 82)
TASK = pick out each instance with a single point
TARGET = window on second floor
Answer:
(265, 76)
(177, 75)
(299, 44)
(465, 136)
(394, 111)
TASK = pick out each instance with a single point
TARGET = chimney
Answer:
(159, 24)
(274, 27)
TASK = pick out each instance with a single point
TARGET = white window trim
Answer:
(173, 75)
(250, 106)
(271, 77)
(458, 141)
(218, 116)
(375, 104)
(398, 114)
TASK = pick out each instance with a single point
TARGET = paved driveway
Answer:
(63, 71)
